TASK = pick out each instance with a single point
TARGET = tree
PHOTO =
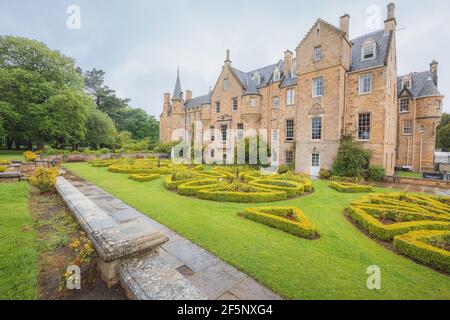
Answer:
(443, 137)
(100, 129)
(351, 159)
(141, 125)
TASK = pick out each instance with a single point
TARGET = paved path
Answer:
(212, 277)
(413, 188)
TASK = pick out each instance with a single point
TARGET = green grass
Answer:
(18, 257)
(409, 174)
(333, 267)
(11, 155)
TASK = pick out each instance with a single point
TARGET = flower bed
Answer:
(288, 219)
(144, 177)
(428, 247)
(349, 187)
(292, 188)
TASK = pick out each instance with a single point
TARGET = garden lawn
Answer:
(333, 267)
(416, 175)
(11, 155)
(18, 257)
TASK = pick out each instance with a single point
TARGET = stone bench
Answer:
(128, 248)
(10, 176)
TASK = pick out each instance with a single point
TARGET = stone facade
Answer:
(329, 88)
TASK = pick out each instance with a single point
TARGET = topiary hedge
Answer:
(288, 219)
(2, 169)
(172, 185)
(259, 196)
(191, 188)
(421, 246)
(292, 188)
(349, 187)
(144, 177)
(131, 169)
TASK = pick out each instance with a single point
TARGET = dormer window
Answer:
(276, 75)
(293, 70)
(406, 83)
(369, 51)
(257, 78)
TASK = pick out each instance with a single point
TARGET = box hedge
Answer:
(144, 177)
(288, 219)
(172, 185)
(262, 195)
(418, 245)
(387, 232)
(191, 188)
(292, 188)
(349, 187)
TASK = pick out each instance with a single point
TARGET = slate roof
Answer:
(383, 42)
(198, 101)
(422, 85)
(177, 92)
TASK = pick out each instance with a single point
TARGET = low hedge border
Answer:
(415, 246)
(292, 188)
(138, 170)
(307, 183)
(263, 195)
(349, 187)
(171, 185)
(387, 232)
(144, 177)
(191, 188)
(276, 217)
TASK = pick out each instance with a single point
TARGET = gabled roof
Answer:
(422, 85)
(383, 41)
(325, 23)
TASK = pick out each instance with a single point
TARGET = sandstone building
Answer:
(329, 88)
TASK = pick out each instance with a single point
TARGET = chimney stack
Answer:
(434, 71)
(188, 95)
(166, 98)
(391, 23)
(228, 59)
(344, 24)
(288, 55)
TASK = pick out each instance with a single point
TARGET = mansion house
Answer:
(330, 86)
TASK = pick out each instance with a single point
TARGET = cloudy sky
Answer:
(140, 43)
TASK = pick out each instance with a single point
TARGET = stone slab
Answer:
(250, 289)
(153, 278)
(111, 239)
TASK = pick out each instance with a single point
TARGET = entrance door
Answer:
(315, 165)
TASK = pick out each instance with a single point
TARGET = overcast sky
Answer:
(140, 43)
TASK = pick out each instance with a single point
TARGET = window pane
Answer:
(364, 126)
(407, 127)
(317, 128)
(365, 83)
(240, 132)
(217, 107)
(224, 129)
(290, 130)
(318, 87)
(315, 160)
(404, 105)
(275, 102)
(289, 157)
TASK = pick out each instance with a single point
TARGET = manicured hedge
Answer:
(307, 183)
(101, 164)
(418, 245)
(387, 232)
(191, 188)
(349, 187)
(277, 217)
(144, 177)
(130, 169)
(263, 195)
(173, 185)
(292, 188)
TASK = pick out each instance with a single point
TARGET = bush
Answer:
(45, 179)
(349, 187)
(30, 156)
(346, 179)
(144, 177)
(290, 176)
(5, 162)
(101, 164)
(419, 245)
(351, 159)
(191, 188)
(283, 169)
(242, 197)
(172, 185)
(292, 188)
(376, 173)
(2, 169)
(289, 219)
(325, 174)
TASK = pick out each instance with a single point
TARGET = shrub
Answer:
(2, 169)
(172, 185)
(104, 151)
(290, 176)
(101, 164)
(144, 177)
(325, 174)
(387, 232)
(5, 162)
(289, 219)
(45, 179)
(346, 179)
(349, 187)
(376, 173)
(242, 197)
(283, 169)
(30, 156)
(191, 188)
(420, 246)
(292, 188)
(351, 159)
